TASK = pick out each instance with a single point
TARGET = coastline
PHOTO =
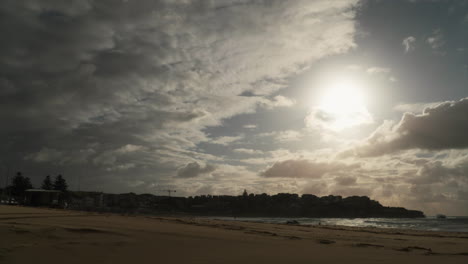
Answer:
(449, 224)
(80, 237)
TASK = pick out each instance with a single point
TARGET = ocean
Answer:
(431, 223)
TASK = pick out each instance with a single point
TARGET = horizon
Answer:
(240, 195)
(350, 98)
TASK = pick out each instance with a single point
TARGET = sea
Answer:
(430, 223)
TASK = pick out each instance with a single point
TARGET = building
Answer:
(41, 197)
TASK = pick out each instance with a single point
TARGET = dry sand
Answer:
(33, 235)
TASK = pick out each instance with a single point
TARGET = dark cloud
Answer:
(81, 79)
(346, 180)
(443, 126)
(194, 169)
(432, 172)
(462, 195)
(438, 172)
(428, 194)
(305, 169)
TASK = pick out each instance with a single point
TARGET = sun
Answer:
(341, 105)
(341, 98)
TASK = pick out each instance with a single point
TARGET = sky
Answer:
(340, 97)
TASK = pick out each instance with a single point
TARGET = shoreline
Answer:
(375, 222)
(375, 230)
(244, 219)
(299, 219)
(88, 237)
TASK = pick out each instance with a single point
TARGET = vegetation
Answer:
(19, 185)
(47, 183)
(60, 184)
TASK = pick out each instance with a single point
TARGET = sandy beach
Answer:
(58, 236)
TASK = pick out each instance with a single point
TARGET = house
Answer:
(41, 197)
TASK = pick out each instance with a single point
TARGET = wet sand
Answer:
(33, 235)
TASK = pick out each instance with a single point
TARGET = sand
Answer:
(34, 235)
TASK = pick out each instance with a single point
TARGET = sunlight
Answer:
(343, 105)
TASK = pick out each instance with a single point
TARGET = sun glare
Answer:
(343, 105)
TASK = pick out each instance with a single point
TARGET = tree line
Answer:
(20, 183)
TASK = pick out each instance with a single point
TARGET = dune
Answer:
(35, 235)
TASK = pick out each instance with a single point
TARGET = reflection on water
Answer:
(451, 223)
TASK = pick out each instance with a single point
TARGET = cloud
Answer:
(45, 155)
(443, 126)
(247, 151)
(94, 80)
(436, 40)
(345, 180)
(53, 156)
(353, 67)
(462, 195)
(382, 71)
(278, 101)
(409, 43)
(194, 169)
(305, 169)
(440, 172)
(431, 172)
(250, 126)
(378, 70)
(283, 136)
(226, 140)
(322, 119)
(415, 107)
(122, 167)
(106, 158)
(129, 148)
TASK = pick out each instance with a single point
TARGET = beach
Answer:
(36, 235)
